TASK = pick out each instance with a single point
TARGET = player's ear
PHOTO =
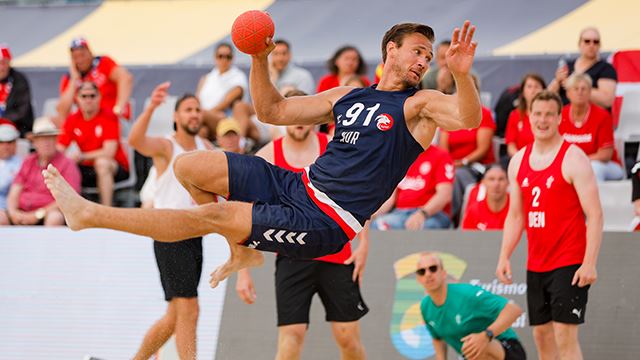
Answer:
(391, 47)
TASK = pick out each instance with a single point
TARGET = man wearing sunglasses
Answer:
(220, 89)
(96, 131)
(603, 75)
(475, 322)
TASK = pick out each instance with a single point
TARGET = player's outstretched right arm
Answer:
(138, 139)
(273, 108)
(514, 223)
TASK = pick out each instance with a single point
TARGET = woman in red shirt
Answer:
(346, 62)
(590, 127)
(518, 134)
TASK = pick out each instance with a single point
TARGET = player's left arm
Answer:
(359, 255)
(124, 80)
(576, 168)
(462, 110)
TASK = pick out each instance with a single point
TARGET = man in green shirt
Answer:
(475, 322)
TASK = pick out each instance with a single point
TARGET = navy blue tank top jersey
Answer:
(370, 153)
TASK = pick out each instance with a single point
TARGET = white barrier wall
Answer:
(66, 295)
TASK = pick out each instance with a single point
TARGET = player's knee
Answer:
(292, 336)
(187, 309)
(347, 337)
(543, 335)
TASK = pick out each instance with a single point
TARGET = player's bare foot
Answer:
(241, 257)
(76, 210)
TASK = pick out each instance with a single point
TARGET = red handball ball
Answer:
(250, 31)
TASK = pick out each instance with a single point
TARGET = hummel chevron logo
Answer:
(290, 236)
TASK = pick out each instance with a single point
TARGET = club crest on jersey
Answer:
(384, 122)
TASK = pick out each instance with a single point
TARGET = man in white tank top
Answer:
(179, 263)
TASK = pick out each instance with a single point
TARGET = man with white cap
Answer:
(29, 202)
(15, 94)
(9, 164)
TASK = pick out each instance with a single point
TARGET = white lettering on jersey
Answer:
(350, 137)
(578, 138)
(412, 183)
(536, 219)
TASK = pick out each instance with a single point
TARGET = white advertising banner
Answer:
(70, 295)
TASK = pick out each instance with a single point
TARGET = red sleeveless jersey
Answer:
(279, 160)
(555, 222)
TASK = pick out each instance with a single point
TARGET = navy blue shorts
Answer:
(285, 219)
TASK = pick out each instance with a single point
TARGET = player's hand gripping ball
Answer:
(250, 31)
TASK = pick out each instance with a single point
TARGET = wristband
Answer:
(424, 213)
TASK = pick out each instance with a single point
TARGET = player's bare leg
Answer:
(205, 174)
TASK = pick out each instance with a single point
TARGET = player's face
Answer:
(82, 57)
(579, 93)
(188, 117)
(412, 59)
(5, 65)
(430, 273)
(531, 89)
(299, 132)
(545, 119)
(590, 44)
(495, 180)
(347, 62)
(280, 57)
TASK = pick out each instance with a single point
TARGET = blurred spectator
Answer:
(345, 63)
(378, 73)
(603, 75)
(422, 199)
(114, 81)
(228, 136)
(284, 73)
(15, 94)
(470, 149)
(430, 80)
(96, 131)
(490, 213)
(507, 101)
(29, 201)
(519, 133)
(9, 164)
(591, 128)
(219, 89)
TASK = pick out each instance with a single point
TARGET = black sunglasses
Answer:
(88, 96)
(224, 56)
(432, 269)
(589, 41)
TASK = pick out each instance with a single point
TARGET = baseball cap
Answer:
(5, 53)
(226, 125)
(8, 131)
(78, 42)
(44, 126)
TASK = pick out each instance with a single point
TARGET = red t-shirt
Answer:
(330, 81)
(279, 160)
(34, 194)
(553, 216)
(100, 71)
(480, 217)
(91, 135)
(434, 166)
(5, 90)
(518, 130)
(464, 142)
(595, 133)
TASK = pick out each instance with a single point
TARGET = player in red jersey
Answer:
(554, 195)
(298, 280)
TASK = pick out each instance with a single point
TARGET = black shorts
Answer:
(284, 218)
(89, 177)
(180, 266)
(298, 280)
(551, 297)
(513, 349)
